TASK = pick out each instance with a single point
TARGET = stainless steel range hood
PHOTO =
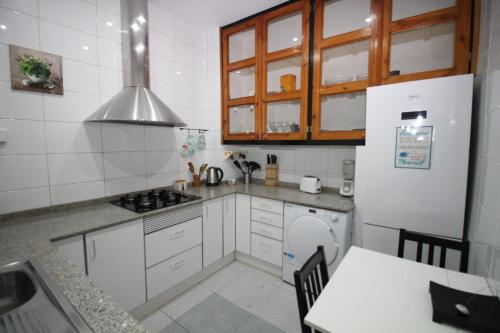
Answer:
(136, 103)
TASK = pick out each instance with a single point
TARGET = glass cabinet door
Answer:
(240, 68)
(342, 16)
(284, 32)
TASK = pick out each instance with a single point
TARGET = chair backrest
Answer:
(310, 280)
(433, 241)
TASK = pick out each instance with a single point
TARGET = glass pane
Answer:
(345, 63)
(423, 49)
(407, 8)
(343, 112)
(242, 45)
(341, 16)
(283, 117)
(283, 75)
(242, 119)
(242, 82)
(284, 32)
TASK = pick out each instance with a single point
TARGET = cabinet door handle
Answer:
(94, 252)
(178, 264)
(265, 245)
(177, 234)
(265, 218)
(265, 232)
(206, 211)
(266, 205)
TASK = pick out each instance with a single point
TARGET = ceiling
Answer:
(214, 12)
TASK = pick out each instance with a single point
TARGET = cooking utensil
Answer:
(245, 165)
(254, 165)
(268, 159)
(202, 168)
(191, 168)
(238, 165)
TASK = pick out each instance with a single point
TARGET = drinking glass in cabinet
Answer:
(276, 71)
(242, 45)
(423, 49)
(341, 16)
(283, 117)
(284, 32)
(242, 82)
(343, 112)
(406, 8)
(345, 63)
(242, 119)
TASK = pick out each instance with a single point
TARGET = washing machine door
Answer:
(304, 235)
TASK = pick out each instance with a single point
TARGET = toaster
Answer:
(310, 184)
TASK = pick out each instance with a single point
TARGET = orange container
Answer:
(287, 82)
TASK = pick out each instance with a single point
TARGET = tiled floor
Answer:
(238, 298)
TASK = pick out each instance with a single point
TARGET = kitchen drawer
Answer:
(168, 273)
(267, 218)
(273, 206)
(267, 230)
(267, 249)
(168, 242)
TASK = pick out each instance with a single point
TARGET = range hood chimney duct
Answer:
(135, 103)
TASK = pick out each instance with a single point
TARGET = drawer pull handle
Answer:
(266, 245)
(265, 218)
(266, 205)
(265, 232)
(178, 264)
(177, 234)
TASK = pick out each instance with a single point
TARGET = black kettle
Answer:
(214, 176)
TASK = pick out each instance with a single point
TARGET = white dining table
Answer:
(374, 292)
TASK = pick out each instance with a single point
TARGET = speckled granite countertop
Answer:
(31, 235)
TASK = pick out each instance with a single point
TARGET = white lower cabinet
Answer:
(168, 273)
(115, 262)
(229, 224)
(267, 249)
(73, 249)
(243, 223)
(212, 231)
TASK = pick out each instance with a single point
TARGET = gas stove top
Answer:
(155, 199)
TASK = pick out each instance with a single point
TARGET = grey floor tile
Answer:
(156, 321)
(222, 277)
(186, 301)
(257, 325)
(214, 315)
(174, 328)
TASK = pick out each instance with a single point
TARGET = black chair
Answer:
(310, 280)
(432, 241)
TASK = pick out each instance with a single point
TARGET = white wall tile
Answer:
(161, 138)
(189, 34)
(164, 91)
(189, 55)
(336, 157)
(75, 168)
(25, 6)
(161, 44)
(161, 20)
(75, 14)
(23, 171)
(162, 162)
(493, 138)
(117, 137)
(68, 193)
(24, 137)
(161, 179)
(304, 159)
(22, 30)
(162, 69)
(108, 25)
(80, 77)
(124, 164)
(491, 189)
(4, 63)
(125, 185)
(112, 6)
(110, 54)
(18, 104)
(65, 137)
(13, 201)
(70, 107)
(67, 42)
(111, 81)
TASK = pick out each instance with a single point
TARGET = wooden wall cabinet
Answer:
(356, 44)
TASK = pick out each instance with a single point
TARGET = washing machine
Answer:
(305, 228)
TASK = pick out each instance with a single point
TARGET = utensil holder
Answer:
(272, 173)
(247, 178)
(196, 181)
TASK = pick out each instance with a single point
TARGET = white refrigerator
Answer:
(416, 159)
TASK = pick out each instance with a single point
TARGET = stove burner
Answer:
(154, 199)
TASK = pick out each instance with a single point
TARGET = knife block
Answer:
(272, 173)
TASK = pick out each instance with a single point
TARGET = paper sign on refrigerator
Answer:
(413, 147)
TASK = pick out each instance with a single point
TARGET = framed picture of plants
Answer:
(37, 71)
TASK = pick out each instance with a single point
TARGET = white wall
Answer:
(51, 157)
(484, 221)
